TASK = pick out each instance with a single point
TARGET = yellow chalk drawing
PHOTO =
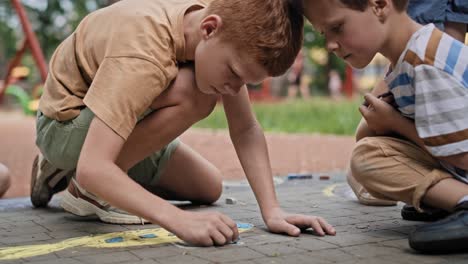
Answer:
(329, 190)
(111, 240)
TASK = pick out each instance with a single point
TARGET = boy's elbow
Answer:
(251, 128)
(5, 179)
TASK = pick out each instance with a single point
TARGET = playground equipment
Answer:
(30, 41)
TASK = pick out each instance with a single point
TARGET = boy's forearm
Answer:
(363, 130)
(407, 129)
(252, 151)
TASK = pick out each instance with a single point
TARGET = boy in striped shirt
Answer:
(418, 152)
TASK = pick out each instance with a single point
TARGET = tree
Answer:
(51, 20)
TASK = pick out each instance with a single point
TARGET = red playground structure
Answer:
(30, 41)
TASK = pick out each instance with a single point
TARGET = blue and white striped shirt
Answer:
(430, 86)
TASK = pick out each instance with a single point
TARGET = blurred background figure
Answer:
(5, 180)
(296, 83)
(335, 85)
(450, 16)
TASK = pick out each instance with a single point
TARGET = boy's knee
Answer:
(5, 179)
(212, 194)
(363, 159)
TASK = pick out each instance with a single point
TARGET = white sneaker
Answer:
(78, 201)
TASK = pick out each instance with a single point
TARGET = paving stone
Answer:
(57, 261)
(370, 217)
(397, 243)
(277, 249)
(455, 258)
(368, 261)
(43, 258)
(413, 257)
(184, 259)
(335, 255)
(12, 261)
(226, 254)
(65, 234)
(311, 243)
(351, 239)
(115, 257)
(87, 251)
(23, 230)
(371, 250)
(266, 238)
(366, 234)
(145, 261)
(387, 234)
(158, 252)
(24, 238)
(293, 259)
(343, 220)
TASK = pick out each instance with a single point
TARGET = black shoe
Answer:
(444, 236)
(409, 212)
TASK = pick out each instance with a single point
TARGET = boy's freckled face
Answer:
(353, 35)
(221, 69)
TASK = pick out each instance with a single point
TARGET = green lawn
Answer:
(319, 115)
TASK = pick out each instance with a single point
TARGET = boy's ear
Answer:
(381, 8)
(210, 26)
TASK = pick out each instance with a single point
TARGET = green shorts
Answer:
(60, 143)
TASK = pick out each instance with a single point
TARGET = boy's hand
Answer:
(379, 114)
(279, 221)
(205, 228)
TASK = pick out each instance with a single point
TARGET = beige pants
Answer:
(395, 169)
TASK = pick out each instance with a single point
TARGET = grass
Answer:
(318, 115)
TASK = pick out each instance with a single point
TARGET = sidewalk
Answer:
(374, 235)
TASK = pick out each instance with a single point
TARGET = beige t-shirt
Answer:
(119, 59)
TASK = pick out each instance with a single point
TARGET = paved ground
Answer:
(365, 234)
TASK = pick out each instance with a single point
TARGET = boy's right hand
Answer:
(205, 228)
(379, 115)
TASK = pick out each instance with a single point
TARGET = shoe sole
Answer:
(411, 215)
(81, 207)
(440, 246)
(43, 188)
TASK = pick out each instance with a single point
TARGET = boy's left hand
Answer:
(379, 114)
(279, 221)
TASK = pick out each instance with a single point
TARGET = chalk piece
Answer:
(244, 225)
(148, 236)
(324, 177)
(231, 200)
(114, 240)
(299, 176)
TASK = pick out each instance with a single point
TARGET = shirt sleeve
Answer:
(441, 111)
(122, 89)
